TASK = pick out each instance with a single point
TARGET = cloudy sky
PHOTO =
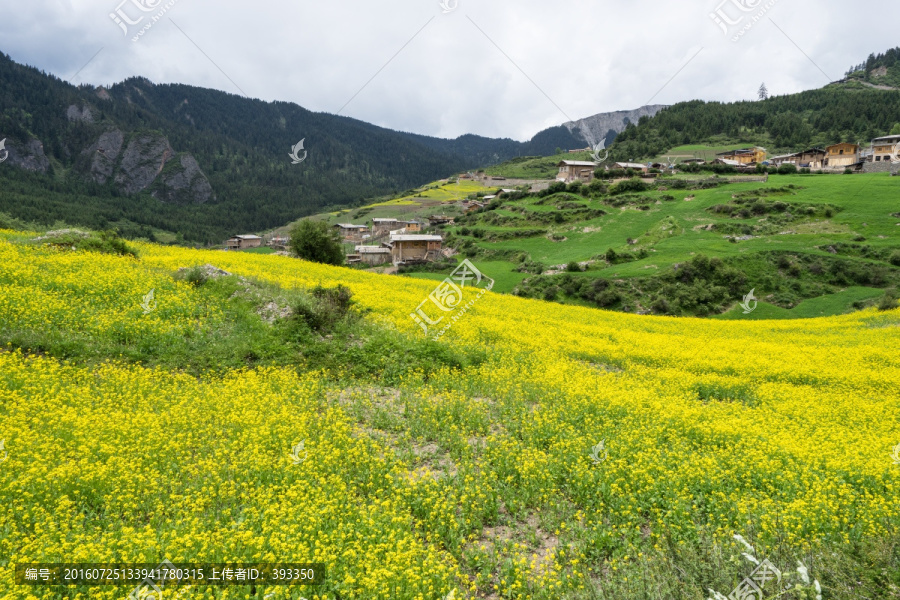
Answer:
(499, 68)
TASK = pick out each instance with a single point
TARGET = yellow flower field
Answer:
(479, 481)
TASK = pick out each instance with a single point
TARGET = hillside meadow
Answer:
(138, 429)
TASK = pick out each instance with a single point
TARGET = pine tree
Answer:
(763, 92)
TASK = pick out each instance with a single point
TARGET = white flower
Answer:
(804, 572)
(746, 544)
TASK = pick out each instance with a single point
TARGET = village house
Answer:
(415, 248)
(841, 155)
(744, 156)
(440, 220)
(413, 226)
(372, 255)
(278, 242)
(813, 158)
(632, 166)
(350, 232)
(886, 148)
(571, 170)
(383, 226)
(240, 242)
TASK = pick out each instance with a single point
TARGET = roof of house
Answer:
(812, 150)
(351, 226)
(753, 150)
(380, 220)
(629, 165)
(726, 161)
(246, 237)
(782, 156)
(491, 197)
(373, 250)
(887, 138)
(576, 163)
(842, 144)
(416, 238)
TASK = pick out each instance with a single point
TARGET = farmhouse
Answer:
(841, 155)
(414, 248)
(440, 220)
(629, 165)
(350, 231)
(570, 170)
(886, 149)
(278, 242)
(373, 255)
(384, 226)
(745, 156)
(239, 242)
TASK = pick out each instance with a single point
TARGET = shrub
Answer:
(888, 301)
(316, 241)
(787, 169)
(324, 308)
(573, 267)
(632, 185)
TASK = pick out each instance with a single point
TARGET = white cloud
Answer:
(586, 56)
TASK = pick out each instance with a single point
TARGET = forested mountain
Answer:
(879, 69)
(199, 162)
(836, 113)
(205, 164)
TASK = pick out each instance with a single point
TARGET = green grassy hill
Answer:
(809, 245)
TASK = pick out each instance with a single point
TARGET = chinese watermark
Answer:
(4, 153)
(152, 587)
(750, 302)
(448, 298)
(766, 580)
(124, 20)
(448, 6)
(738, 20)
(598, 149)
(599, 453)
(295, 153)
(149, 302)
(297, 450)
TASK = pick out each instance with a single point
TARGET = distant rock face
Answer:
(183, 183)
(83, 114)
(595, 128)
(29, 156)
(143, 160)
(104, 154)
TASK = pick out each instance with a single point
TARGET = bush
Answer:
(894, 259)
(316, 241)
(632, 185)
(888, 301)
(324, 308)
(787, 169)
(573, 267)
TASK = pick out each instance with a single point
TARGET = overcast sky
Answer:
(499, 68)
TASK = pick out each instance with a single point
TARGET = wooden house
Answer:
(373, 255)
(383, 226)
(240, 242)
(572, 170)
(886, 148)
(744, 156)
(415, 248)
(350, 232)
(839, 156)
(632, 166)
